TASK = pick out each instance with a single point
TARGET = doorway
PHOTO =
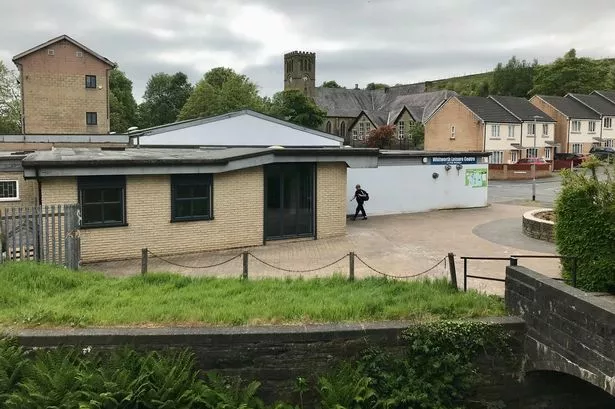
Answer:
(289, 200)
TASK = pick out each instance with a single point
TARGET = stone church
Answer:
(353, 113)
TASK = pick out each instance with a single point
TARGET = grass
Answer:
(41, 295)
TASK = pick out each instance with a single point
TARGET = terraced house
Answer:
(353, 113)
(510, 128)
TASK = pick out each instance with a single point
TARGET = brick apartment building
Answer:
(65, 88)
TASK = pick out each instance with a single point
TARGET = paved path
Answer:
(397, 245)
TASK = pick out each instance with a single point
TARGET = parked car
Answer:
(536, 161)
(576, 158)
(603, 153)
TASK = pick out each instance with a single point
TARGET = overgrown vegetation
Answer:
(35, 294)
(437, 370)
(585, 228)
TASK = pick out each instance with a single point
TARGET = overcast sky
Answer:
(356, 41)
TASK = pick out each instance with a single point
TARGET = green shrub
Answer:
(585, 228)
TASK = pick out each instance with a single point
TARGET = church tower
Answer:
(300, 72)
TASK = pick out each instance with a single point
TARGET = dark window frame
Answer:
(192, 180)
(90, 81)
(85, 183)
(88, 116)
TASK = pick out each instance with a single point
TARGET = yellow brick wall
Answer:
(55, 99)
(469, 132)
(330, 199)
(237, 222)
(28, 191)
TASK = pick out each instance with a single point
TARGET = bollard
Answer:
(451, 263)
(245, 265)
(351, 266)
(143, 261)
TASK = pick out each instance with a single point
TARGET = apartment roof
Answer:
(570, 107)
(521, 108)
(595, 103)
(62, 38)
(488, 110)
(610, 95)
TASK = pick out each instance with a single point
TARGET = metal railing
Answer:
(513, 261)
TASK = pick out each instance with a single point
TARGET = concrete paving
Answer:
(397, 245)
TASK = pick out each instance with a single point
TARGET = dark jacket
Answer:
(358, 194)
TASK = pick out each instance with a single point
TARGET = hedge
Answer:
(585, 227)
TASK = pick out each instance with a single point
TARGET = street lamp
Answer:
(534, 162)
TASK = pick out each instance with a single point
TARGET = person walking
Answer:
(361, 197)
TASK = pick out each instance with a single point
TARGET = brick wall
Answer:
(561, 126)
(28, 191)
(469, 132)
(568, 330)
(518, 172)
(55, 99)
(331, 199)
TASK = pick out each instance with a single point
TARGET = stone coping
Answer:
(530, 215)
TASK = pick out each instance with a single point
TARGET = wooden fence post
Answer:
(453, 269)
(245, 265)
(144, 261)
(351, 266)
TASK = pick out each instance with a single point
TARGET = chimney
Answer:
(356, 86)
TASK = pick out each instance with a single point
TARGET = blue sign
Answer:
(444, 160)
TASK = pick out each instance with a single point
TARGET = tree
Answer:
(373, 86)
(381, 137)
(122, 105)
(516, 78)
(164, 97)
(294, 106)
(570, 74)
(221, 90)
(331, 84)
(10, 101)
(416, 133)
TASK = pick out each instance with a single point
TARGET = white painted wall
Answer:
(503, 143)
(608, 133)
(584, 136)
(528, 141)
(411, 189)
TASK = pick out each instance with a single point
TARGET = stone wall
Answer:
(538, 228)
(276, 356)
(568, 330)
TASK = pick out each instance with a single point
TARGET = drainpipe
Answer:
(40, 188)
(484, 136)
(601, 122)
(568, 138)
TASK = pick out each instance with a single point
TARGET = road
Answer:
(503, 191)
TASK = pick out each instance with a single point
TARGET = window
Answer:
(595, 145)
(191, 197)
(9, 190)
(364, 128)
(79, 54)
(328, 127)
(511, 132)
(577, 148)
(90, 81)
(592, 127)
(609, 143)
(343, 129)
(514, 156)
(531, 129)
(532, 153)
(102, 200)
(576, 126)
(401, 129)
(51, 52)
(548, 153)
(608, 123)
(545, 129)
(355, 134)
(91, 118)
(495, 131)
(496, 157)
(452, 131)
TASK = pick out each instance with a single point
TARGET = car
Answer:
(532, 161)
(603, 153)
(576, 158)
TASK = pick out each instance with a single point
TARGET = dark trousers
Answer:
(359, 209)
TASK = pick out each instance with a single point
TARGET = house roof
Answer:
(241, 128)
(596, 103)
(610, 95)
(389, 102)
(521, 108)
(570, 107)
(64, 37)
(488, 110)
(132, 161)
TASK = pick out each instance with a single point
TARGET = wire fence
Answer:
(351, 258)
